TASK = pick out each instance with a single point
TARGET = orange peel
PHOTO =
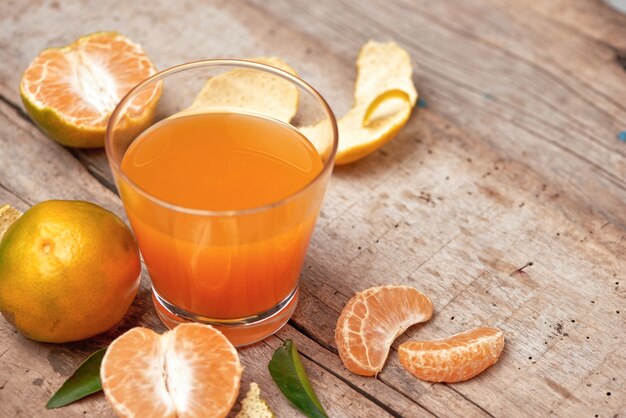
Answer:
(253, 405)
(8, 215)
(384, 96)
(250, 91)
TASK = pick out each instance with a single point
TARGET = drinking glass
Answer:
(236, 270)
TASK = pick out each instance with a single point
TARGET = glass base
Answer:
(240, 331)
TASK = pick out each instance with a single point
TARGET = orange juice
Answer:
(216, 242)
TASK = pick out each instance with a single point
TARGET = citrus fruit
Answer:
(384, 96)
(250, 90)
(71, 91)
(190, 371)
(253, 406)
(70, 270)
(453, 359)
(372, 320)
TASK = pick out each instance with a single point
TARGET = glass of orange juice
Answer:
(223, 189)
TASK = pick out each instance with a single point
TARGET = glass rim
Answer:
(241, 63)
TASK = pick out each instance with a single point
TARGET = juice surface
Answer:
(223, 266)
(221, 161)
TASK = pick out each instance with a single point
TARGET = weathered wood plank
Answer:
(483, 75)
(594, 18)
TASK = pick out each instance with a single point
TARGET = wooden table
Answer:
(503, 199)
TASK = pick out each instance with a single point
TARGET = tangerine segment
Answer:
(372, 320)
(453, 359)
(190, 371)
(71, 91)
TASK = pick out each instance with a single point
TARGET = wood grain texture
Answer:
(513, 160)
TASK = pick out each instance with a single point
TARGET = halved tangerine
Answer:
(188, 372)
(71, 91)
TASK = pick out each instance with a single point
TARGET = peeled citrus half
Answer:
(192, 371)
(71, 91)
(372, 320)
(453, 359)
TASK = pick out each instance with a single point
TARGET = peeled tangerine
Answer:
(188, 372)
(453, 359)
(372, 319)
(71, 91)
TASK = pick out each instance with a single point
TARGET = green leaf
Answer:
(84, 381)
(289, 374)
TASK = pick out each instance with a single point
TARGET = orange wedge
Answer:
(188, 372)
(454, 359)
(70, 92)
(372, 320)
